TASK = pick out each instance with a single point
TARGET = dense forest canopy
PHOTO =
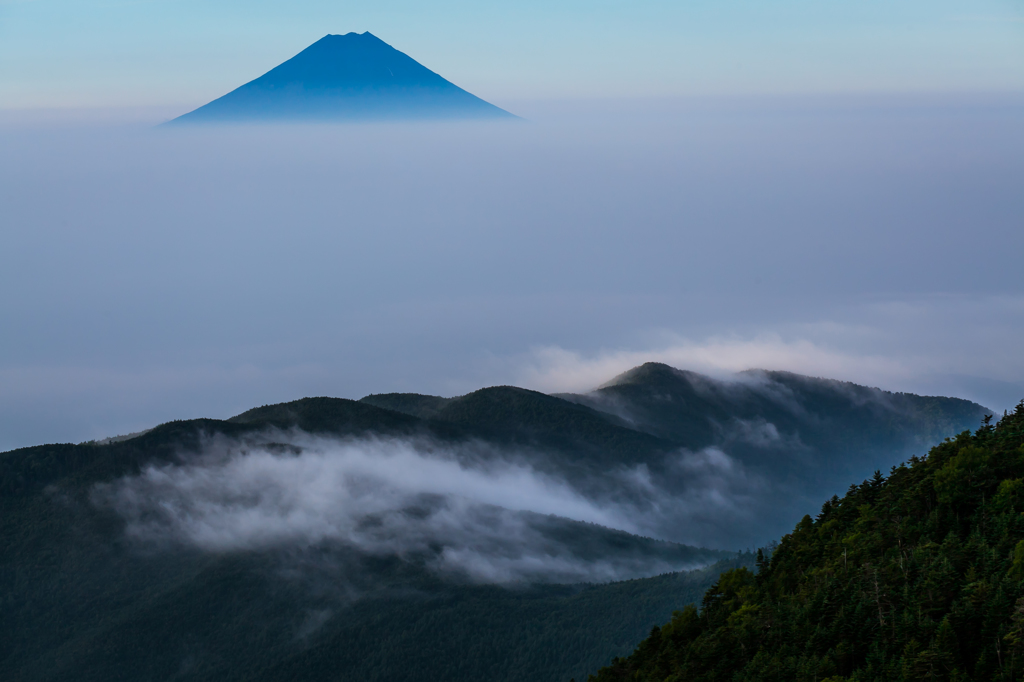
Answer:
(918, 575)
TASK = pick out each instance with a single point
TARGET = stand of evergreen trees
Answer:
(914, 576)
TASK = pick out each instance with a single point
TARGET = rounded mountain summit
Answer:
(356, 76)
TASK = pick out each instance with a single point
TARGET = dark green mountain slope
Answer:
(516, 415)
(780, 440)
(80, 601)
(777, 440)
(335, 416)
(552, 434)
(28, 470)
(82, 597)
(502, 416)
(415, 404)
(918, 576)
(700, 411)
(487, 633)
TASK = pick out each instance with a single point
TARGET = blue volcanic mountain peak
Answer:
(356, 76)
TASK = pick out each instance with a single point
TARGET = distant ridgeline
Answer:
(346, 77)
(925, 558)
(914, 576)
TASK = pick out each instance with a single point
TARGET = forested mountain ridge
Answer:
(777, 440)
(84, 599)
(80, 604)
(914, 576)
(781, 441)
(521, 417)
(381, 537)
(28, 470)
(699, 410)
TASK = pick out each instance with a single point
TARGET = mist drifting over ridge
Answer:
(486, 520)
(329, 525)
(218, 270)
(479, 480)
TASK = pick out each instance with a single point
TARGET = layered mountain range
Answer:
(413, 537)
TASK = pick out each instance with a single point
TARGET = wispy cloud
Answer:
(555, 369)
(954, 345)
(381, 497)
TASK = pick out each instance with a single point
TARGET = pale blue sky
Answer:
(73, 53)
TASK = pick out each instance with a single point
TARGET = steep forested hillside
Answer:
(915, 576)
(492, 633)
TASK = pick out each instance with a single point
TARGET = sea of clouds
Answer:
(150, 273)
